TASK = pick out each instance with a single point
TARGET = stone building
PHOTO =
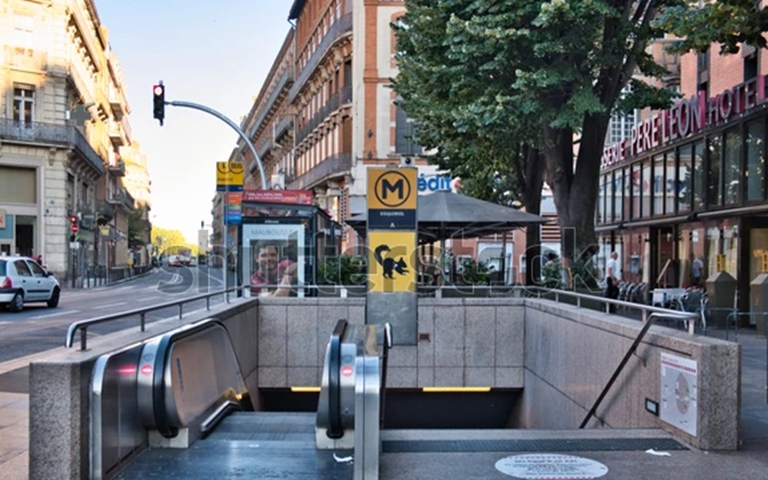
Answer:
(63, 121)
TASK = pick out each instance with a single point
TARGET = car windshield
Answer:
(2, 268)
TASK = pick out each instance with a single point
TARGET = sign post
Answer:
(393, 251)
(229, 181)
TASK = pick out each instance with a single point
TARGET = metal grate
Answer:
(547, 445)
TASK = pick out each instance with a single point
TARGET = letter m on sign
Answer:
(387, 188)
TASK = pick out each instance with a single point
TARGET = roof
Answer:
(296, 8)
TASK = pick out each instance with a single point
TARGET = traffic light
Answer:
(73, 219)
(158, 95)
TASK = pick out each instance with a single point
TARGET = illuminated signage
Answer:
(686, 118)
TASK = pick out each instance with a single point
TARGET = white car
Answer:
(22, 281)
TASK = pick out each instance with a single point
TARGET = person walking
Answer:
(612, 279)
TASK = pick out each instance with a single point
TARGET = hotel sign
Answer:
(686, 118)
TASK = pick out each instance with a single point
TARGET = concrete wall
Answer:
(570, 354)
(472, 342)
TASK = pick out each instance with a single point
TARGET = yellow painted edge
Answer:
(305, 389)
(456, 389)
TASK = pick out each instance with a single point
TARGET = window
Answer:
(627, 202)
(601, 201)
(659, 184)
(755, 160)
(22, 269)
(732, 166)
(684, 183)
(338, 8)
(23, 105)
(750, 66)
(617, 190)
(23, 31)
(646, 181)
(714, 185)
(637, 184)
(36, 270)
(699, 187)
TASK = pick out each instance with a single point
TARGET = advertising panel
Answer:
(392, 262)
(274, 260)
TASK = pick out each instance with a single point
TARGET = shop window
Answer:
(636, 189)
(609, 198)
(684, 181)
(601, 201)
(755, 173)
(646, 180)
(732, 165)
(618, 198)
(626, 204)
(659, 185)
(18, 185)
(699, 187)
(714, 179)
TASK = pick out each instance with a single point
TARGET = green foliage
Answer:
(727, 22)
(171, 242)
(137, 228)
(474, 272)
(343, 270)
(584, 274)
(551, 274)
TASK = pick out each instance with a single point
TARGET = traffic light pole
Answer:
(223, 118)
(234, 126)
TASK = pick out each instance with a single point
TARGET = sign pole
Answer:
(393, 259)
(225, 248)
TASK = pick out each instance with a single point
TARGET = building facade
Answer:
(63, 121)
(687, 191)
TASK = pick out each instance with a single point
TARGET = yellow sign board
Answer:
(764, 262)
(720, 263)
(392, 188)
(392, 258)
(229, 173)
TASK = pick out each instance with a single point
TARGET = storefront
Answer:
(302, 232)
(686, 194)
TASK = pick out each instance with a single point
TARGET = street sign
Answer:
(75, 228)
(392, 198)
(392, 262)
(229, 176)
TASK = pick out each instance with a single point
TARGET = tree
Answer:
(168, 241)
(542, 71)
(137, 228)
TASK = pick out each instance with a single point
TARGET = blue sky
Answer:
(216, 53)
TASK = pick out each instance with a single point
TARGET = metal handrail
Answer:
(630, 352)
(83, 325)
(334, 381)
(608, 302)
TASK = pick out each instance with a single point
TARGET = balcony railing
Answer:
(338, 30)
(334, 165)
(331, 105)
(116, 134)
(51, 134)
(283, 126)
(264, 148)
(285, 81)
(123, 198)
(105, 211)
(118, 169)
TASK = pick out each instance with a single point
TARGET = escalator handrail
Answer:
(387, 344)
(162, 422)
(335, 429)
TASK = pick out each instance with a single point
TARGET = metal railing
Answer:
(335, 164)
(51, 134)
(83, 325)
(630, 352)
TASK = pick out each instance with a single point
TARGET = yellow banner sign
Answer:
(229, 173)
(392, 188)
(392, 258)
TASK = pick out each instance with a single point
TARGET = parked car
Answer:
(23, 280)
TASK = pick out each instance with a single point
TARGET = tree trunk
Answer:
(576, 189)
(534, 182)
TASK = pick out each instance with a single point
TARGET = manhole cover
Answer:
(550, 466)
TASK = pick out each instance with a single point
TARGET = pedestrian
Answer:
(612, 279)
(697, 268)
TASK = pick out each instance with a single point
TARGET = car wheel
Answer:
(17, 303)
(53, 302)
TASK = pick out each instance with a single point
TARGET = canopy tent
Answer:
(444, 215)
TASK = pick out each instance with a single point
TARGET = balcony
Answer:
(118, 169)
(283, 126)
(105, 212)
(331, 106)
(338, 30)
(264, 148)
(117, 135)
(332, 166)
(23, 58)
(121, 198)
(286, 80)
(47, 134)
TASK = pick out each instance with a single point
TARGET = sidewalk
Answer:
(83, 283)
(14, 409)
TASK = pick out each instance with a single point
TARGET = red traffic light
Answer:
(158, 90)
(73, 219)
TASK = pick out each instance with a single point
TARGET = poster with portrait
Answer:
(273, 260)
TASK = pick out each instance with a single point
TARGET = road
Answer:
(38, 328)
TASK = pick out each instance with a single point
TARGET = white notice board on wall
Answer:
(679, 392)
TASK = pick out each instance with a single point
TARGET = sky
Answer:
(216, 53)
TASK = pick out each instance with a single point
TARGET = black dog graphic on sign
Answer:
(390, 265)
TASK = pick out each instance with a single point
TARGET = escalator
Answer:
(178, 406)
